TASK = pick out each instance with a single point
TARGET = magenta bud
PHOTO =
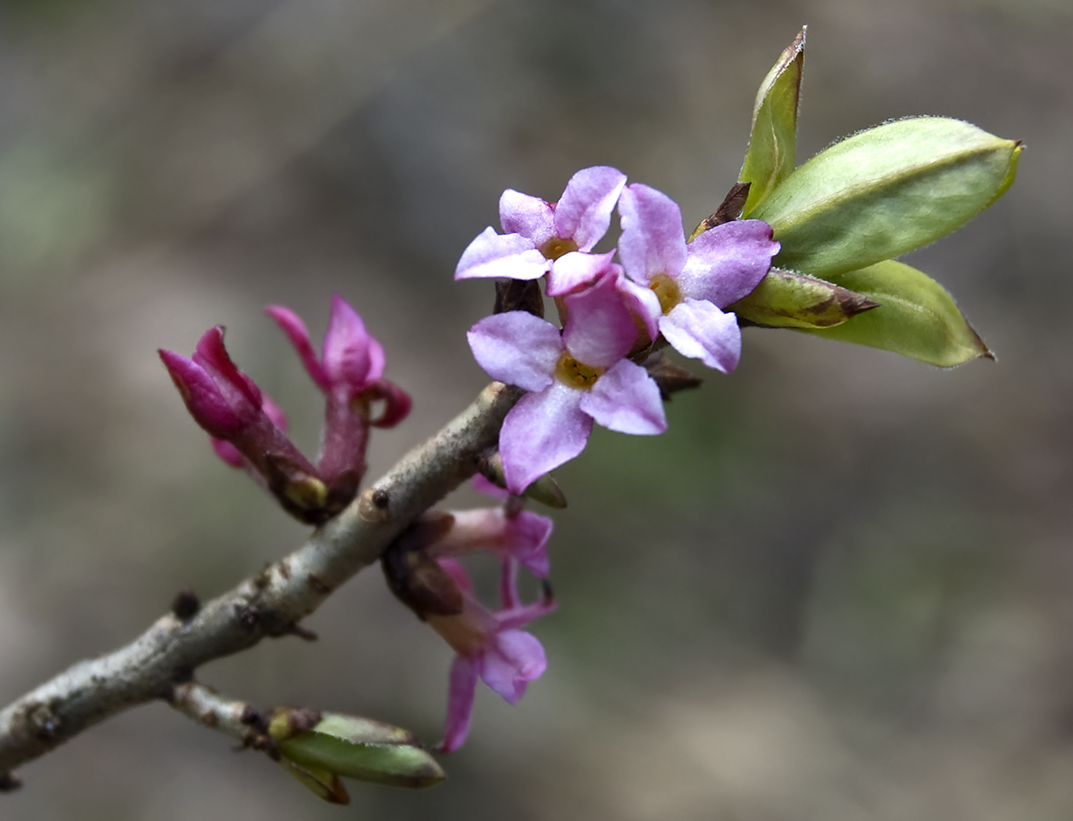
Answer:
(206, 402)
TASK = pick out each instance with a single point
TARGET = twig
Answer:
(205, 706)
(269, 604)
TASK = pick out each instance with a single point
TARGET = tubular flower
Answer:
(684, 287)
(490, 646)
(422, 573)
(573, 378)
(549, 238)
(349, 372)
(243, 424)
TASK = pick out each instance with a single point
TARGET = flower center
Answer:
(667, 291)
(556, 247)
(576, 375)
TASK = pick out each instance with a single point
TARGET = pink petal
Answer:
(699, 330)
(520, 616)
(575, 269)
(627, 400)
(239, 390)
(529, 216)
(512, 256)
(583, 213)
(228, 452)
(527, 541)
(642, 303)
(296, 331)
(397, 403)
(599, 330)
(482, 485)
(727, 262)
(457, 573)
(203, 398)
(512, 659)
(517, 348)
(544, 430)
(274, 412)
(652, 240)
(348, 356)
(460, 694)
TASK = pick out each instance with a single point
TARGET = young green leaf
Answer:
(916, 317)
(784, 299)
(886, 191)
(773, 141)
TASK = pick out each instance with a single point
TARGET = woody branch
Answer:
(270, 604)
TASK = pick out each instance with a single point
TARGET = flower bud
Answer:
(359, 748)
(544, 489)
(784, 299)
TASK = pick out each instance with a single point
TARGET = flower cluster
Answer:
(662, 291)
(422, 570)
(248, 430)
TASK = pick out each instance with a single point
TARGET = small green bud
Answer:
(784, 299)
(544, 490)
(886, 191)
(773, 140)
(356, 748)
(916, 317)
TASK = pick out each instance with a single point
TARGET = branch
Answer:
(268, 604)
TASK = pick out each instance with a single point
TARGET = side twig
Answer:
(268, 604)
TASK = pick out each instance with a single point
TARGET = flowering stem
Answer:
(268, 604)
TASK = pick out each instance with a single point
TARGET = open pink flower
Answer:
(549, 238)
(491, 647)
(681, 287)
(573, 378)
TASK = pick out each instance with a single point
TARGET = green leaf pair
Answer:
(842, 216)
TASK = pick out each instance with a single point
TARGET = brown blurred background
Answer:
(840, 586)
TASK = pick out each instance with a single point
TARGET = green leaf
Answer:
(916, 317)
(362, 749)
(784, 299)
(773, 141)
(886, 191)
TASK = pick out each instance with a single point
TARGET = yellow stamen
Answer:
(667, 291)
(556, 247)
(573, 373)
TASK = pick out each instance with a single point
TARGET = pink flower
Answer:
(246, 427)
(490, 646)
(573, 378)
(349, 372)
(682, 288)
(549, 238)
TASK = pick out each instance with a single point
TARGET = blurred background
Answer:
(839, 587)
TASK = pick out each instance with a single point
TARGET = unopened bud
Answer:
(544, 490)
(784, 299)
(358, 748)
